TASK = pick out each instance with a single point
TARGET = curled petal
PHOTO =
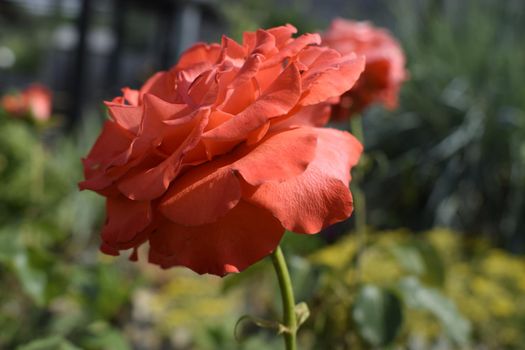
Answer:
(161, 85)
(131, 96)
(333, 80)
(153, 182)
(248, 70)
(283, 34)
(277, 100)
(198, 54)
(306, 204)
(292, 49)
(232, 50)
(319, 196)
(112, 142)
(128, 117)
(264, 43)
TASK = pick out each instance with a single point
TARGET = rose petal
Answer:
(203, 194)
(131, 96)
(265, 77)
(264, 43)
(277, 100)
(333, 81)
(152, 183)
(218, 117)
(232, 50)
(248, 70)
(112, 142)
(198, 54)
(258, 134)
(316, 115)
(128, 117)
(292, 49)
(230, 244)
(126, 221)
(282, 34)
(158, 114)
(204, 89)
(161, 85)
(238, 99)
(278, 157)
(319, 196)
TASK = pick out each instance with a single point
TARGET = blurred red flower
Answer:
(385, 65)
(35, 102)
(211, 161)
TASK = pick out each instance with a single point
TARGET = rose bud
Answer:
(385, 65)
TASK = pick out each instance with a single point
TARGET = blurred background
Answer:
(441, 268)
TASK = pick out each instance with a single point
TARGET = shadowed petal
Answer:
(203, 194)
(126, 221)
(237, 240)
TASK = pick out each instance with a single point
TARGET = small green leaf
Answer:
(378, 315)
(302, 313)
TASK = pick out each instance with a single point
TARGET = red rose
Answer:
(211, 161)
(385, 65)
(35, 101)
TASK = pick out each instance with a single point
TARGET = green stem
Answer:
(356, 127)
(285, 284)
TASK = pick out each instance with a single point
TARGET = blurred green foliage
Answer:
(454, 151)
(51, 289)
(27, 36)
(426, 291)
